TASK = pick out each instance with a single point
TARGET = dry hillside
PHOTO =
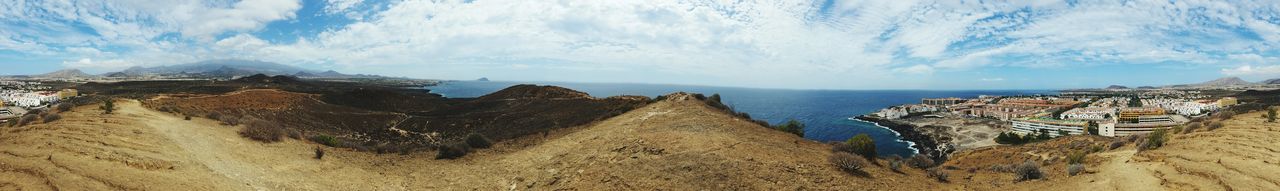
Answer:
(677, 144)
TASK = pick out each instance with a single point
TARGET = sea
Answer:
(827, 114)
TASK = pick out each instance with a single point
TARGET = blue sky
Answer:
(806, 44)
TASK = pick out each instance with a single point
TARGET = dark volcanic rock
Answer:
(926, 144)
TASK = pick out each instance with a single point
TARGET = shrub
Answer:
(63, 107)
(295, 134)
(1116, 144)
(213, 115)
(452, 151)
(12, 123)
(920, 161)
(847, 162)
(791, 126)
(319, 153)
(327, 140)
(1225, 115)
(1190, 128)
(896, 165)
(1153, 141)
(1271, 114)
(107, 106)
(1028, 171)
(1076, 157)
(1003, 168)
(1075, 169)
(51, 117)
(476, 140)
(229, 120)
(862, 145)
(27, 119)
(262, 130)
(1214, 125)
(937, 174)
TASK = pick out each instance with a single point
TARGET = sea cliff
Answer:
(926, 144)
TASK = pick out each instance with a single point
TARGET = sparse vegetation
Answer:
(791, 126)
(847, 162)
(476, 140)
(1015, 139)
(27, 119)
(1029, 170)
(108, 106)
(327, 140)
(920, 161)
(937, 174)
(319, 153)
(64, 107)
(1214, 125)
(1153, 140)
(51, 117)
(1271, 114)
(1116, 144)
(264, 131)
(895, 163)
(187, 117)
(1225, 115)
(1076, 157)
(229, 120)
(862, 145)
(214, 116)
(1075, 169)
(452, 151)
(1191, 127)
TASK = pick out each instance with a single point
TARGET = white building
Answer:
(1090, 113)
(1028, 126)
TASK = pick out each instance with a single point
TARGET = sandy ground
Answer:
(674, 145)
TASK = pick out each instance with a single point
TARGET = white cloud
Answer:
(991, 79)
(1270, 71)
(916, 69)
(340, 6)
(86, 63)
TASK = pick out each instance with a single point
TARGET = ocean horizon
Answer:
(827, 114)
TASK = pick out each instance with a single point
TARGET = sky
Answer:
(796, 44)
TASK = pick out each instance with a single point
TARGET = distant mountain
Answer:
(483, 79)
(1227, 81)
(65, 73)
(1270, 81)
(1117, 87)
(219, 68)
(1146, 87)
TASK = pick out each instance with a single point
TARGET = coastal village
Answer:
(19, 97)
(963, 123)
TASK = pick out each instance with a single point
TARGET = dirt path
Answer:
(1122, 173)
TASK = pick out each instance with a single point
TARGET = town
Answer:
(1110, 113)
(19, 97)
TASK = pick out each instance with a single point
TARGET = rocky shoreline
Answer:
(926, 144)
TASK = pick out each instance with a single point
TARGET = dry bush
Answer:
(895, 163)
(229, 120)
(63, 107)
(847, 162)
(1003, 168)
(51, 117)
(295, 134)
(452, 151)
(262, 130)
(327, 140)
(1190, 128)
(1225, 115)
(27, 119)
(1029, 170)
(937, 174)
(1214, 125)
(1075, 169)
(476, 140)
(214, 116)
(1116, 144)
(920, 161)
(319, 153)
(1076, 157)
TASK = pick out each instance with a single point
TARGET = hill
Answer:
(676, 144)
(1116, 87)
(1270, 81)
(65, 74)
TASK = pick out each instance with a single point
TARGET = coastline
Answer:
(922, 143)
(910, 144)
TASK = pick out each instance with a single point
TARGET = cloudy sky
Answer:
(822, 44)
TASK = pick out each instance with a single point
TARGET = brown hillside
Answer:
(678, 144)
